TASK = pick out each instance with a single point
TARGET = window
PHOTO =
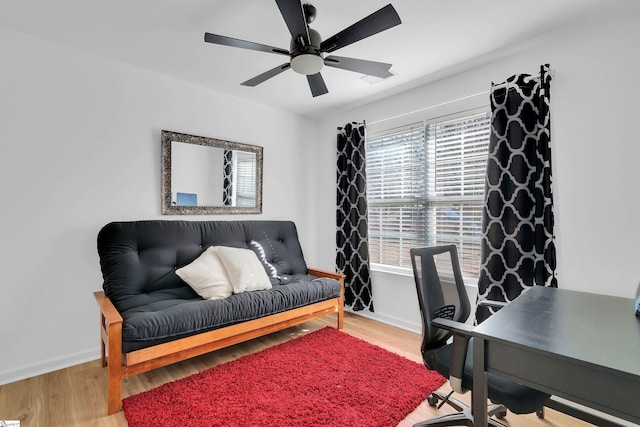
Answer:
(425, 187)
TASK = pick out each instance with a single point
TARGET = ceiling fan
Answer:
(307, 49)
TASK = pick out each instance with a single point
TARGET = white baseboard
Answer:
(389, 320)
(45, 367)
(55, 364)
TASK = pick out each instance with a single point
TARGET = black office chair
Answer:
(442, 294)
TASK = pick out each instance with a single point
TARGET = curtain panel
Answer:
(352, 242)
(518, 248)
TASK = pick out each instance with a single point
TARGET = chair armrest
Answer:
(453, 326)
(462, 333)
(325, 273)
(492, 303)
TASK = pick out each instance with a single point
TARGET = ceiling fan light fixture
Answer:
(307, 64)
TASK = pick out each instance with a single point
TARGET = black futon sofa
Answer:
(151, 318)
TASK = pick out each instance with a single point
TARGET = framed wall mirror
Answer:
(203, 176)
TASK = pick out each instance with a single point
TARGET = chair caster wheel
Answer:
(501, 415)
(540, 413)
(432, 400)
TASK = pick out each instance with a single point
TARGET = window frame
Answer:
(445, 116)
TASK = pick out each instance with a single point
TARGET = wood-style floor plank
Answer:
(76, 396)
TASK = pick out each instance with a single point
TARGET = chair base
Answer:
(464, 416)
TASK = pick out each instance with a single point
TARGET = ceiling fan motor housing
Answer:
(306, 58)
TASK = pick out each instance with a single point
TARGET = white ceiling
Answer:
(166, 36)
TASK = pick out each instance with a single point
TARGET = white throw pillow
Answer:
(244, 269)
(207, 276)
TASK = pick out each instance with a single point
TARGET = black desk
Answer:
(579, 346)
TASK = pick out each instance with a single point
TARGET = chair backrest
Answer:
(441, 293)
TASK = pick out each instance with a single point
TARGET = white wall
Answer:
(594, 106)
(80, 146)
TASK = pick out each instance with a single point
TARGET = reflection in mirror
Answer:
(218, 176)
(207, 176)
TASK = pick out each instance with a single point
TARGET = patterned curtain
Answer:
(352, 242)
(518, 249)
(227, 179)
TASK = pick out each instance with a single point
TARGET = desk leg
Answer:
(479, 392)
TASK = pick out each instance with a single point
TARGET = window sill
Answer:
(469, 282)
(389, 269)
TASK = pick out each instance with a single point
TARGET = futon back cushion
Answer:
(139, 258)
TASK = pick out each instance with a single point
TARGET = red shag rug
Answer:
(325, 378)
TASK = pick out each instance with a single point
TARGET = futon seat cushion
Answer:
(163, 318)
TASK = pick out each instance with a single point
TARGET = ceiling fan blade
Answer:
(293, 15)
(266, 75)
(371, 68)
(381, 20)
(230, 41)
(316, 83)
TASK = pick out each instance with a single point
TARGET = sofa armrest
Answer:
(340, 278)
(107, 308)
(326, 273)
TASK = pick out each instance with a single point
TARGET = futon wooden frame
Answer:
(124, 365)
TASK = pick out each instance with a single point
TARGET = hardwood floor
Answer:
(76, 396)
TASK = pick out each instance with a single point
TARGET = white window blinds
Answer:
(425, 185)
(396, 190)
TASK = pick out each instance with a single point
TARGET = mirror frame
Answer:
(168, 209)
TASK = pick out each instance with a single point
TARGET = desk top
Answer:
(594, 329)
